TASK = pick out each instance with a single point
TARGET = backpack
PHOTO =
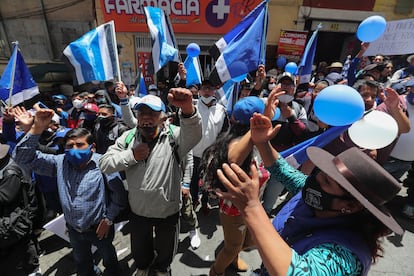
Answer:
(16, 218)
(171, 139)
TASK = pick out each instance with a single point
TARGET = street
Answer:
(57, 259)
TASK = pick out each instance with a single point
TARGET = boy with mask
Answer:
(107, 128)
(90, 200)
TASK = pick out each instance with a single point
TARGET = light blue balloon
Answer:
(193, 50)
(371, 28)
(291, 67)
(239, 78)
(339, 105)
(277, 114)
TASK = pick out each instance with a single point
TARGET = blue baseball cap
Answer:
(61, 132)
(153, 102)
(243, 110)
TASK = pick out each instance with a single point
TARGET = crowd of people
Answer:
(106, 153)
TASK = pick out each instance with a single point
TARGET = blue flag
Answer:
(163, 41)
(304, 70)
(94, 56)
(243, 48)
(225, 94)
(140, 87)
(192, 65)
(17, 80)
(296, 155)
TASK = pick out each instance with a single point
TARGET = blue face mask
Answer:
(78, 156)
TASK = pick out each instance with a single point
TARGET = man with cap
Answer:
(293, 118)
(150, 155)
(153, 90)
(335, 220)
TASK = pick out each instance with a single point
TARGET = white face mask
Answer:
(271, 86)
(285, 98)
(77, 104)
(207, 100)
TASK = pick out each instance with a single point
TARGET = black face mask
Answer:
(315, 197)
(148, 131)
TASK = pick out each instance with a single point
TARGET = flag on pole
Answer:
(234, 53)
(94, 56)
(192, 65)
(140, 87)
(224, 94)
(296, 155)
(304, 70)
(163, 41)
(16, 83)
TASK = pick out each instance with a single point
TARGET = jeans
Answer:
(194, 186)
(82, 243)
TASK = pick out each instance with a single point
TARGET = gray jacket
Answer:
(154, 185)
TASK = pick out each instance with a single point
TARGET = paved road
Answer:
(57, 259)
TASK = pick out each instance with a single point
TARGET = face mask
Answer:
(410, 98)
(148, 132)
(316, 198)
(77, 104)
(100, 101)
(271, 86)
(285, 98)
(206, 100)
(104, 120)
(78, 156)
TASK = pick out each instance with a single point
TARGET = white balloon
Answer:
(374, 131)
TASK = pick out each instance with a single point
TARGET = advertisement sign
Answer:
(144, 59)
(291, 44)
(187, 16)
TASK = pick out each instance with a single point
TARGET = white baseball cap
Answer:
(153, 102)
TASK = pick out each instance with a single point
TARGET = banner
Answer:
(291, 44)
(204, 17)
(398, 39)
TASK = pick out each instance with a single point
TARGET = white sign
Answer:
(398, 39)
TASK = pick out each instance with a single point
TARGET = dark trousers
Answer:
(20, 259)
(82, 244)
(194, 187)
(143, 242)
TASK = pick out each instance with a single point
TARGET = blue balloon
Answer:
(193, 50)
(339, 105)
(371, 28)
(239, 78)
(277, 114)
(291, 67)
(281, 62)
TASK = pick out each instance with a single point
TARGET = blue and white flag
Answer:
(94, 56)
(140, 87)
(192, 65)
(225, 94)
(304, 70)
(163, 41)
(243, 48)
(16, 80)
(296, 155)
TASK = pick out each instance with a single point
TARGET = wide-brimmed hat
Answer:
(363, 178)
(409, 58)
(335, 64)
